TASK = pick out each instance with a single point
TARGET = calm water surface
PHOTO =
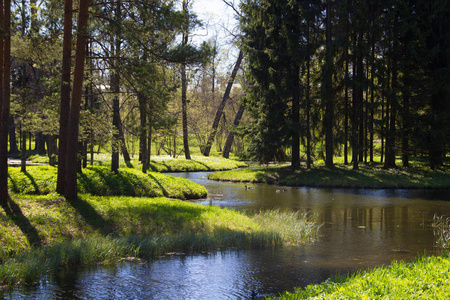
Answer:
(361, 229)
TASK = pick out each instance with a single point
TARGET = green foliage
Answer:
(427, 278)
(97, 180)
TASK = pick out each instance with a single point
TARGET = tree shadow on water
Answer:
(13, 211)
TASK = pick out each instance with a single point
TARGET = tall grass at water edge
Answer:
(119, 227)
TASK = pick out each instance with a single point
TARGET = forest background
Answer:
(363, 80)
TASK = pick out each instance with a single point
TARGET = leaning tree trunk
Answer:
(230, 138)
(221, 107)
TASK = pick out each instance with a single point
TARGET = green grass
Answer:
(165, 163)
(427, 278)
(97, 180)
(341, 176)
(36, 237)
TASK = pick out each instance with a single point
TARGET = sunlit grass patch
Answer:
(341, 176)
(426, 278)
(197, 163)
(97, 180)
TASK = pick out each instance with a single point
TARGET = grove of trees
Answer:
(359, 76)
(315, 79)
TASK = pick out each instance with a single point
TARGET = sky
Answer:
(218, 18)
(215, 15)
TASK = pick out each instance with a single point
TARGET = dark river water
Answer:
(360, 229)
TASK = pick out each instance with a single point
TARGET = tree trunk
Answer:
(184, 111)
(295, 161)
(65, 95)
(221, 107)
(143, 133)
(392, 99)
(23, 152)
(115, 88)
(230, 137)
(71, 189)
(5, 53)
(328, 91)
(12, 136)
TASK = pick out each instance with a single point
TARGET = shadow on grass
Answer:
(165, 192)
(14, 212)
(91, 216)
(129, 164)
(203, 164)
(117, 184)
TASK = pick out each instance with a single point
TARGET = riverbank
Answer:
(426, 278)
(37, 238)
(341, 177)
(100, 181)
(164, 163)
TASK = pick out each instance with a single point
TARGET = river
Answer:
(360, 229)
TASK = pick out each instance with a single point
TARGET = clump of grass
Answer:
(427, 278)
(294, 227)
(41, 180)
(441, 229)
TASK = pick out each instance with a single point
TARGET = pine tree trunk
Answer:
(5, 69)
(65, 95)
(295, 161)
(71, 188)
(184, 111)
(328, 92)
(13, 149)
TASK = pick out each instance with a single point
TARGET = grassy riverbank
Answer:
(165, 163)
(39, 234)
(97, 180)
(427, 278)
(341, 176)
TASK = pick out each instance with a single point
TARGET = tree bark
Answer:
(230, 137)
(115, 88)
(184, 111)
(13, 149)
(328, 91)
(5, 44)
(71, 189)
(295, 160)
(221, 107)
(65, 95)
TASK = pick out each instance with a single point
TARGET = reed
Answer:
(441, 229)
